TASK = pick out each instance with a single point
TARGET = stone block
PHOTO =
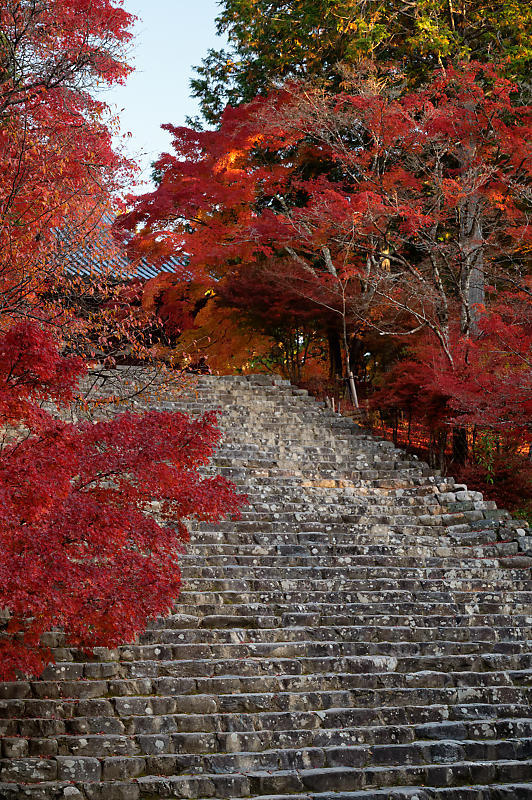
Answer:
(114, 791)
(120, 769)
(28, 770)
(14, 748)
(76, 768)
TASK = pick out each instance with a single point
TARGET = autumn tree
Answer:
(271, 41)
(413, 202)
(433, 195)
(55, 141)
(474, 415)
(92, 513)
(217, 195)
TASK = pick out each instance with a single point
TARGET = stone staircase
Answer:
(363, 631)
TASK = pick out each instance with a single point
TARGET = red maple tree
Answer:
(91, 514)
(59, 168)
(385, 208)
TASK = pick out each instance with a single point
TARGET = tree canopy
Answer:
(270, 41)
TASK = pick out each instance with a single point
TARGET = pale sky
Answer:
(172, 36)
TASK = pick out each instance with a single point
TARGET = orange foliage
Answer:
(229, 346)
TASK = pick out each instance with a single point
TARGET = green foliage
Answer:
(485, 451)
(524, 513)
(271, 40)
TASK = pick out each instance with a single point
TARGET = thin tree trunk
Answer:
(472, 278)
(350, 376)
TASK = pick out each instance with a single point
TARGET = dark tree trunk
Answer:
(355, 355)
(460, 447)
(336, 368)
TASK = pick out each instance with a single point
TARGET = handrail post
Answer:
(352, 389)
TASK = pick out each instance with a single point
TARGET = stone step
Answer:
(372, 692)
(401, 527)
(249, 587)
(275, 567)
(332, 597)
(413, 629)
(97, 764)
(281, 559)
(444, 604)
(99, 744)
(296, 626)
(312, 653)
(430, 718)
(292, 689)
(376, 670)
(438, 557)
(174, 646)
(339, 779)
(450, 657)
(512, 791)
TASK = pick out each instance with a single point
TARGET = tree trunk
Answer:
(355, 352)
(472, 277)
(460, 447)
(335, 354)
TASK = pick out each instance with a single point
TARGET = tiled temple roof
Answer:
(101, 253)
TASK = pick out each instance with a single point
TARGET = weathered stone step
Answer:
(126, 765)
(381, 721)
(118, 790)
(374, 671)
(498, 791)
(369, 596)
(472, 629)
(416, 656)
(382, 546)
(101, 743)
(439, 556)
(324, 479)
(283, 559)
(333, 779)
(169, 645)
(193, 713)
(311, 653)
(401, 527)
(290, 691)
(385, 544)
(275, 567)
(293, 628)
(260, 611)
(248, 587)
(237, 575)
(377, 671)
(231, 618)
